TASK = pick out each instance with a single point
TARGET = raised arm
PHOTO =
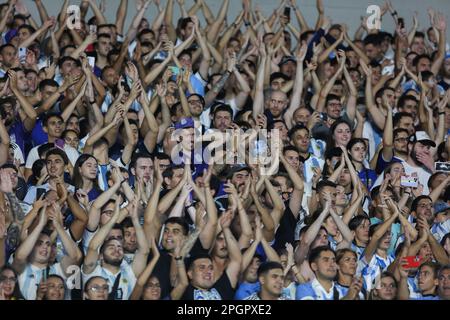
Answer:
(441, 26)
(258, 103)
(25, 248)
(121, 16)
(90, 261)
(376, 114)
(234, 253)
(140, 258)
(208, 233)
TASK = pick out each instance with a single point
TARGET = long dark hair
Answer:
(330, 141)
(16, 295)
(77, 179)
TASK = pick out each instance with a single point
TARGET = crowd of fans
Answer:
(96, 202)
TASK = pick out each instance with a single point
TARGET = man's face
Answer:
(327, 190)
(331, 226)
(195, 106)
(272, 282)
(222, 120)
(301, 140)
(97, 289)
(144, 169)
(408, 124)
(418, 45)
(113, 253)
(321, 239)
(220, 249)
(277, 83)
(372, 52)
(353, 58)
(292, 158)
(202, 274)
(176, 178)
(424, 64)
(54, 128)
(334, 108)
(13, 175)
(32, 81)
(47, 91)
(107, 213)
(71, 138)
(187, 31)
(401, 142)
(41, 250)
(129, 240)
(444, 284)
(111, 77)
(251, 274)
(302, 116)
(289, 68)
(186, 61)
(425, 209)
(10, 113)
(8, 56)
(67, 67)
(338, 90)
(278, 102)
(104, 46)
(325, 266)
(239, 178)
(22, 82)
(426, 279)
(341, 199)
(55, 166)
(410, 107)
(173, 233)
(345, 178)
(390, 96)
(23, 34)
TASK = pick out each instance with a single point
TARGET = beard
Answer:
(112, 261)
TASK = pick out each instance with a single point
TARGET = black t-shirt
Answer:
(221, 290)
(162, 271)
(286, 230)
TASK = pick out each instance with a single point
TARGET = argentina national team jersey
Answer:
(370, 271)
(127, 279)
(439, 230)
(30, 278)
(313, 290)
(358, 250)
(413, 287)
(343, 290)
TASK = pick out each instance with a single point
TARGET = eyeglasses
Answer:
(97, 288)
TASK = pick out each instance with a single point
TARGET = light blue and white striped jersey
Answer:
(439, 230)
(30, 278)
(127, 278)
(370, 271)
(358, 250)
(343, 290)
(426, 297)
(413, 286)
(313, 290)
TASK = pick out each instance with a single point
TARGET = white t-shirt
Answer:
(71, 153)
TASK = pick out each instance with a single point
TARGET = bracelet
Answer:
(442, 112)
(28, 16)
(92, 102)
(179, 258)
(394, 13)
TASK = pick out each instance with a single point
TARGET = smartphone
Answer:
(411, 182)
(39, 193)
(324, 116)
(287, 13)
(22, 54)
(92, 28)
(442, 166)
(401, 22)
(411, 262)
(91, 61)
(175, 70)
(44, 275)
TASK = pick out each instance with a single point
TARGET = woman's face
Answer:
(342, 134)
(55, 289)
(331, 226)
(89, 169)
(388, 289)
(7, 282)
(347, 264)
(362, 231)
(358, 151)
(152, 290)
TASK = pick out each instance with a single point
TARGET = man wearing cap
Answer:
(441, 224)
(420, 162)
(288, 66)
(278, 80)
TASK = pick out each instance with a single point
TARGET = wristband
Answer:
(28, 16)
(442, 112)
(394, 13)
(179, 258)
